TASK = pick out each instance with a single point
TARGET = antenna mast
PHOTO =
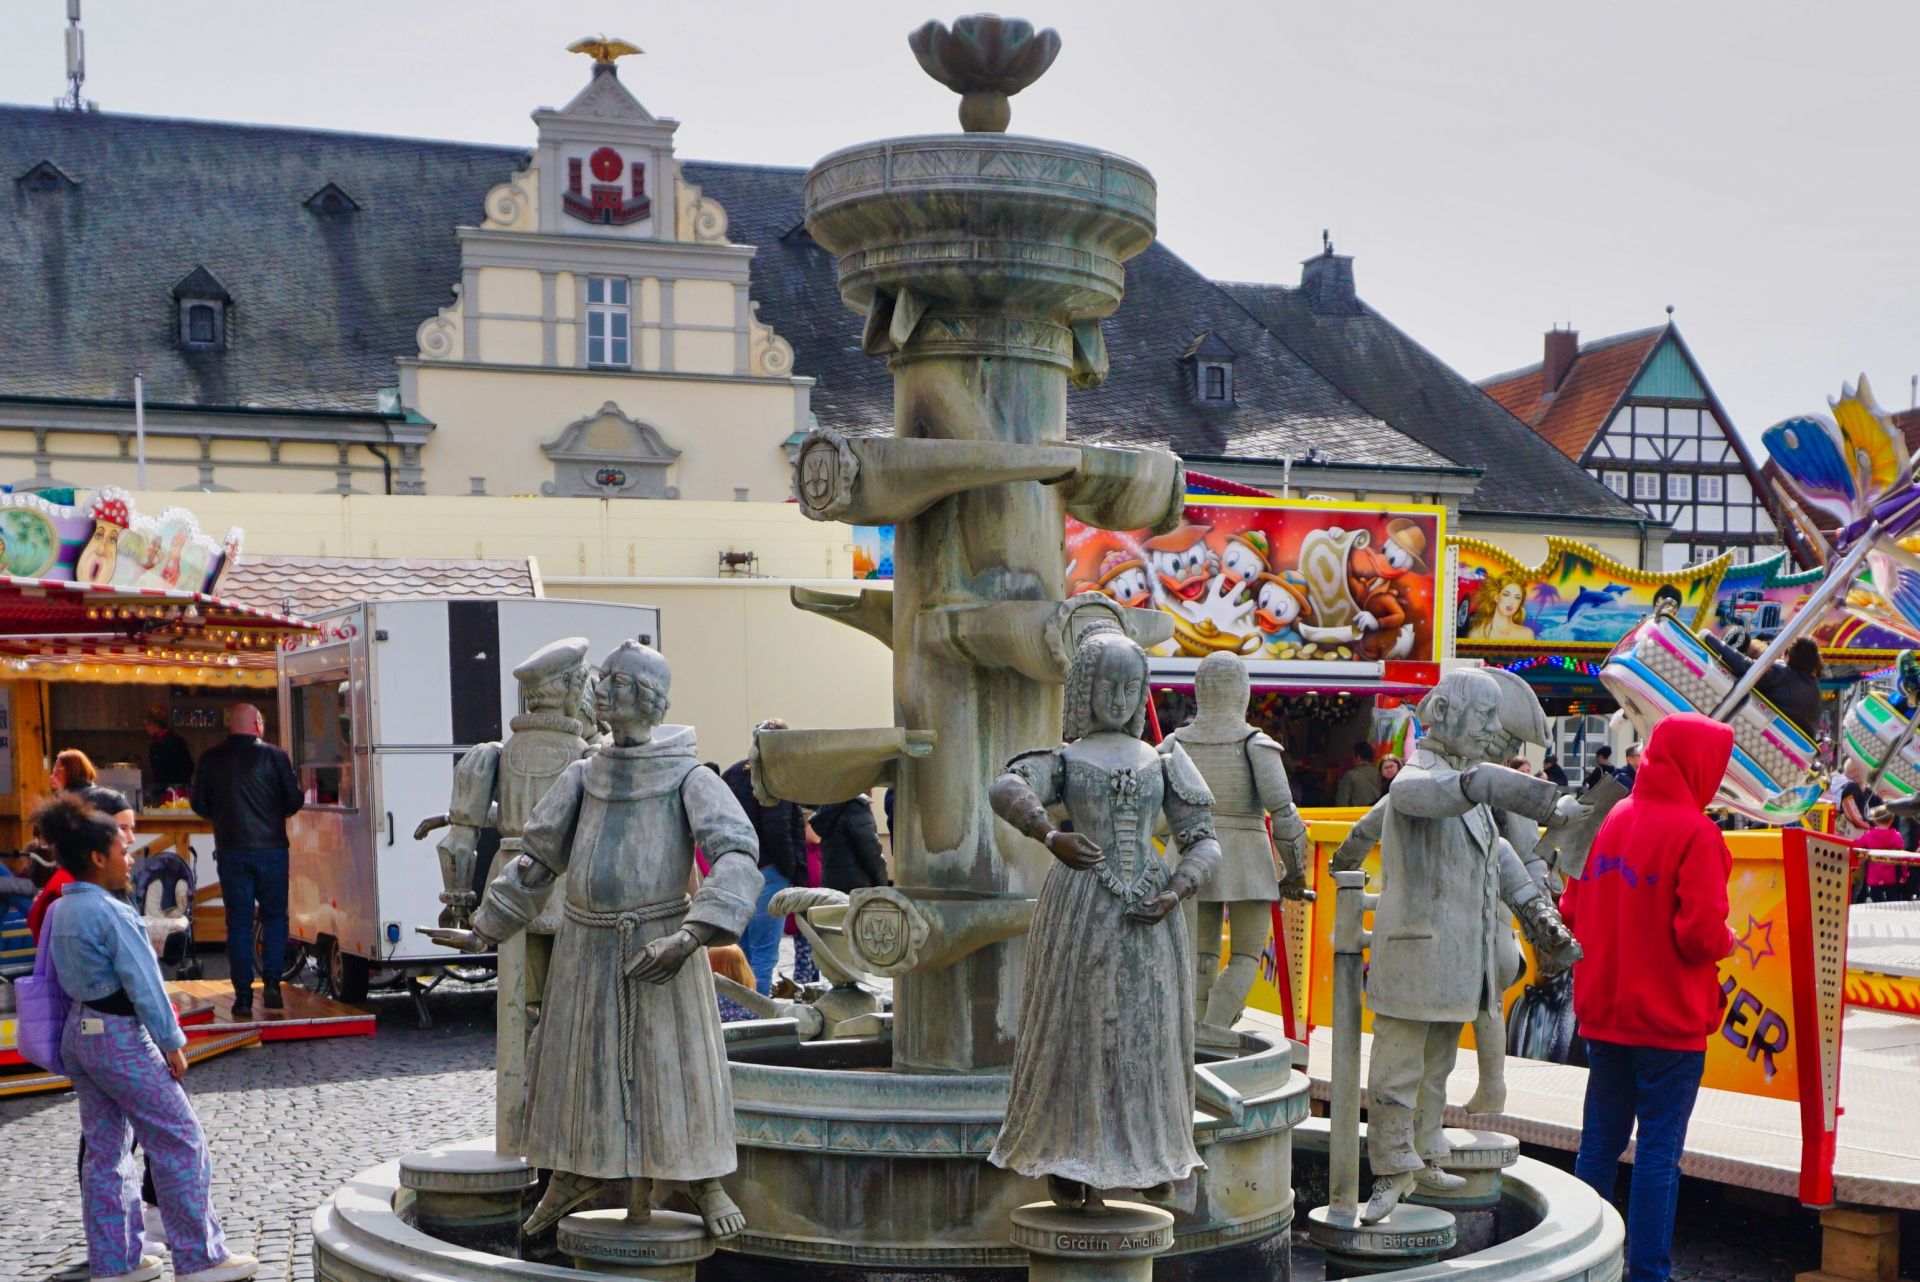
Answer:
(76, 62)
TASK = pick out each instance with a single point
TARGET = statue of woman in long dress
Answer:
(1103, 1068)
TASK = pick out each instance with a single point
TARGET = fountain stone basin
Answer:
(845, 1163)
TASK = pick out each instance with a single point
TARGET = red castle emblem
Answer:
(606, 200)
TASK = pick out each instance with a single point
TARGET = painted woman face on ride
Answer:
(1119, 684)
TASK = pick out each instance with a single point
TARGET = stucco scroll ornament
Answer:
(824, 477)
(772, 354)
(509, 206)
(438, 336)
(702, 218)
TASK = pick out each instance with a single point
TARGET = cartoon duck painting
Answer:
(1181, 563)
(1244, 557)
(1123, 577)
(111, 516)
(1279, 606)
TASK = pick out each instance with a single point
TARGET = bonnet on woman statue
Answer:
(1221, 691)
(1106, 685)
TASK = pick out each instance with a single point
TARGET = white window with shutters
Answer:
(1711, 487)
(1646, 486)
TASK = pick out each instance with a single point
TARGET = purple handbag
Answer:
(41, 1005)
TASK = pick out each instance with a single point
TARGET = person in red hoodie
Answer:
(1650, 912)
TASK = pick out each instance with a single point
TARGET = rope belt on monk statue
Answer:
(628, 923)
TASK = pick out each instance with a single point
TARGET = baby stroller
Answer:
(163, 890)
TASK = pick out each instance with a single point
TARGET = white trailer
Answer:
(374, 718)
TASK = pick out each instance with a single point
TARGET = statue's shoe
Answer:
(1432, 1179)
(1387, 1192)
(1488, 1097)
(564, 1192)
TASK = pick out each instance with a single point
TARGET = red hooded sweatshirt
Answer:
(1650, 912)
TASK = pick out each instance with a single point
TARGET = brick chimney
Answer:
(1327, 281)
(1562, 346)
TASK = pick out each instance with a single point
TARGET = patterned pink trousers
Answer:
(126, 1091)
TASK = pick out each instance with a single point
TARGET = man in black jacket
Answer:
(783, 862)
(850, 855)
(247, 789)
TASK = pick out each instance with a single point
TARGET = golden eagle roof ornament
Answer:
(604, 50)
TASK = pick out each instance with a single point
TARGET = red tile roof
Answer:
(1570, 418)
(308, 585)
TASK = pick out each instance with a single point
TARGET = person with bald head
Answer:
(246, 788)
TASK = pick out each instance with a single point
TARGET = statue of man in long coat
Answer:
(627, 1076)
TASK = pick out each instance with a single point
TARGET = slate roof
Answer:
(308, 585)
(1601, 373)
(1383, 369)
(1282, 405)
(322, 303)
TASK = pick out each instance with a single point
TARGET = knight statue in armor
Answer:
(497, 785)
(1102, 1091)
(1248, 780)
(1448, 881)
(627, 1073)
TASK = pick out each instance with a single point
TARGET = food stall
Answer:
(104, 615)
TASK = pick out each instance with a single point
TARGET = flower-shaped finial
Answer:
(986, 59)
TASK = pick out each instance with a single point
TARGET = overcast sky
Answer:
(1493, 167)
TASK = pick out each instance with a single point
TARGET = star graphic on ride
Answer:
(1755, 929)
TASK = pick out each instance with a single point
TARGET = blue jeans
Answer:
(247, 876)
(1658, 1088)
(760, 941)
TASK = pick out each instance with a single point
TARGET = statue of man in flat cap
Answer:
(497, 785)
(1449, 878)
(627, 1078)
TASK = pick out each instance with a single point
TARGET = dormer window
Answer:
(331, 201)
(45, 176)
(203, 325)
(202, 305)
(1209, 363)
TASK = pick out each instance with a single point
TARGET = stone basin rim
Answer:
(1579, 1237)
(983, 142)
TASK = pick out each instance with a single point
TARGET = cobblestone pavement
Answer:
(288, 1122)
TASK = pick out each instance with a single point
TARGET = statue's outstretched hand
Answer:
(1567, 810)
(466, 941)
(662, 959)
(1075, 850)
(1156, 908)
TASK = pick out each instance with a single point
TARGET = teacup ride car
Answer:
(1661, 668)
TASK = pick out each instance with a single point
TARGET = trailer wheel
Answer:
(347, 975)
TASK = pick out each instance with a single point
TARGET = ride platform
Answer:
(307, 1014)
(1742, 1140)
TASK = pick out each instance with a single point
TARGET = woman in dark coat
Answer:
(849, 846)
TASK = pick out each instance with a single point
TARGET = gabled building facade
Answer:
(1638, 414)
(593, 317)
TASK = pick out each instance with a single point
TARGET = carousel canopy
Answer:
(104, 632)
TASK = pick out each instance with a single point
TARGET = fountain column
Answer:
(983, 264)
